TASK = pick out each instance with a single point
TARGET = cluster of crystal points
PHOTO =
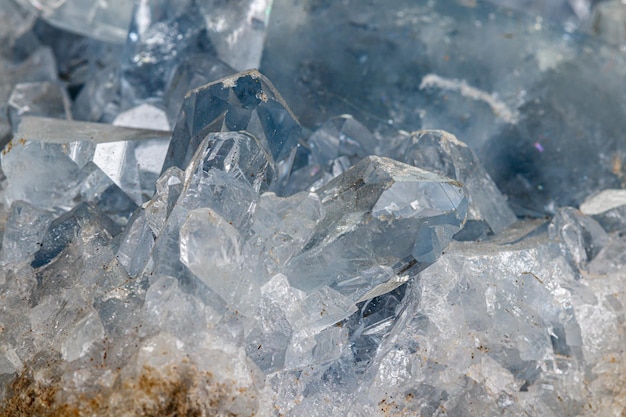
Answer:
(175, 242)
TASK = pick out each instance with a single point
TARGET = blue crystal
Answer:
(244, 102)
(247, 264)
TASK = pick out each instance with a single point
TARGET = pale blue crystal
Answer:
(213, 250)
(237, 30)
(44, 98)
(24, 232)
(106, 20)
(441, 152)
(380, 212)
(244, 102)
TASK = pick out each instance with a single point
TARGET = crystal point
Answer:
(442, 152)
(243, 102)
(363, 208)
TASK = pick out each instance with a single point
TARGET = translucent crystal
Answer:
(608, 208)
(168, 188)
(38, 66)
(213, 250)
(269, 339)
(38, 172)
(67, 228)
(283, 226)
(60, 131)
(376, 199)
(144, 116)
(77, 56)
(192, 72)
(25, 230)
(38, 99)
(136, 243)
(441, 152)
(87, 331)
(253, 267)
(99, 99)
(603, 201)
(161, 32)
(582, 235)
(105, 20)
(337, 145)
(341, 136)
(324, 346)
(130, 157)
(237, 30)
(224, 175)
(170, 309)
(244, 102)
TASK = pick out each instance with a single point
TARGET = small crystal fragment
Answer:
(65, 229)
(582, 235)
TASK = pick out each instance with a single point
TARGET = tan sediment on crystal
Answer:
(179, 390)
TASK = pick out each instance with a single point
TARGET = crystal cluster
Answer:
(179, 239)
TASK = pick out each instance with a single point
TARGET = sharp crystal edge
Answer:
(183, 234)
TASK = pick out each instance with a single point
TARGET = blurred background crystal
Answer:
(313, 208)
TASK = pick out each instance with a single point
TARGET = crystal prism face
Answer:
(583, 237)
(192, 72)
(441, 152)
(376, 199)
(244, 102)
(106, 20)
(23, 234)
(161, 33)
(237, 30)
(63, 230)
(341, 136)
(332, 149)
(130, 158)
(213, 250)
(241, 155)
(38, 99)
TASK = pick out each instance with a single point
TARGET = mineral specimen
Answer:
(176, 240)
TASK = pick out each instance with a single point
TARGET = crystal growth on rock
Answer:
(178, 239)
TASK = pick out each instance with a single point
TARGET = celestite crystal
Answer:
(175, 240)
(244, 102)
(441, 152)
(106, 20)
